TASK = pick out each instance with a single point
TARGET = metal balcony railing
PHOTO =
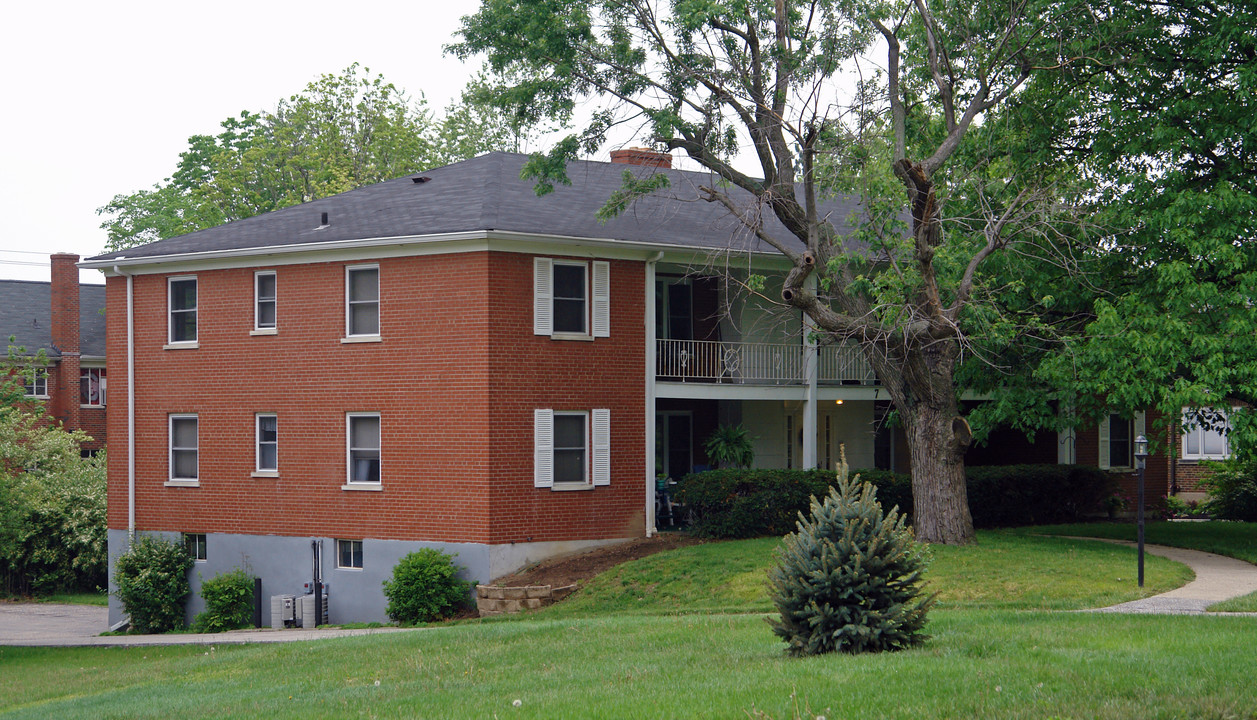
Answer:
(758, 363)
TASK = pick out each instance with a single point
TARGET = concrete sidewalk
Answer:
(52, 625)
(1218, 578)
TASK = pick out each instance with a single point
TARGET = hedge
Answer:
(757, 503)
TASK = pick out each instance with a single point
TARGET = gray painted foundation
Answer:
(285, 564)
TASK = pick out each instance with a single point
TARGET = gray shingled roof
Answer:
(26, 314)
(487, 194)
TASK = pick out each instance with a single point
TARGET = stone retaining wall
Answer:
(496, 599)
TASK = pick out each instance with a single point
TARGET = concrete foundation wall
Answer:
(285, 564)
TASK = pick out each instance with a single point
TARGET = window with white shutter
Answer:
(572, 449)
(571, 298)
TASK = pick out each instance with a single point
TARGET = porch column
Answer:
(651, 368)
(810, 379)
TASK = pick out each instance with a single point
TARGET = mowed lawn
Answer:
(682, 634)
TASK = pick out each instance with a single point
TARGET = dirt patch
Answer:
(574, 569)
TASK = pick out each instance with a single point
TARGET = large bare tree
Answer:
(789, 83)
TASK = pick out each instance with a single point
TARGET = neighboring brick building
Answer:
(66, 320)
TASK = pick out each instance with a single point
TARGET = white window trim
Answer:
(171, 480)
(258, 329)
(102, 383)
(350, 483)
(1186, 429)
(597, 470)
(171, 343)
(379, 316)
(350, 567)
(40, 374)
(258, 470)
(596, 321)
(206, 546)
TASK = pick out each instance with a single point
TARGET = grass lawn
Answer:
(99, 599)
(682, 634)
(1233, 539)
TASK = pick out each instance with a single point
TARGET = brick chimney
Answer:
(65, 337)
(642, 156)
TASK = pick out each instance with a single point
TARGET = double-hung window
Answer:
(184, 448)
(572, 449)
(267, 454)
(265, 298)
(182, 303)
(1117, 440)
(92, 387)
(362, 301)
(1205, 434)
(571, 298)
(37, 383)
(362, 441)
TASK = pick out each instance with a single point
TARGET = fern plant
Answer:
(850, 578)
(730, 446)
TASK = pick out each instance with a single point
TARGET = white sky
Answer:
(100, 98)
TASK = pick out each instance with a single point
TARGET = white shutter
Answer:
(602, 299)
(543, 448)
(602, 447)
(543, 296)
(1103, 431)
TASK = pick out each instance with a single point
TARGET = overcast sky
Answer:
(100, 98)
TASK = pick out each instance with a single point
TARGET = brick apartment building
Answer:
(67, 321)
(450, 360)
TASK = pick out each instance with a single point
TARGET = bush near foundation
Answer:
(152, 580)
(758, 503)
(228, 603)
(1012, 495)
(1232, 490)
(850, 578)
(425, 588)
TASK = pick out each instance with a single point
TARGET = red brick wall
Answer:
(457, 444)
(530, 371)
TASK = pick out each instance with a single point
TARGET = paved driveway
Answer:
(50, 624)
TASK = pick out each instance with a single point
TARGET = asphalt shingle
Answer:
(487, 194)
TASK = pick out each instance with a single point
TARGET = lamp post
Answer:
(1141, 457)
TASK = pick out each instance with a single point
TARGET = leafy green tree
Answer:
(1159, 132)
(341, 132)
(52, 500)
(716, 78)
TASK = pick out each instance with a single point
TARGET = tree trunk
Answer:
(937, 440)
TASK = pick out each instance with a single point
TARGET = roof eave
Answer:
(108, 265)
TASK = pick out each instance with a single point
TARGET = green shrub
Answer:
(152, 580)
(228, 603)
(758, 503)
(1012, 495)
(425, 588)
(1232, 490)
(52, 506)
(850, 578)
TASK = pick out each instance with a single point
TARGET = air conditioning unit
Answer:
(284, 611)
(306, 611)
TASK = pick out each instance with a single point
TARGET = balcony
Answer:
(742, 363)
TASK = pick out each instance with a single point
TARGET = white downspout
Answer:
(130, 403)
(650, 393)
